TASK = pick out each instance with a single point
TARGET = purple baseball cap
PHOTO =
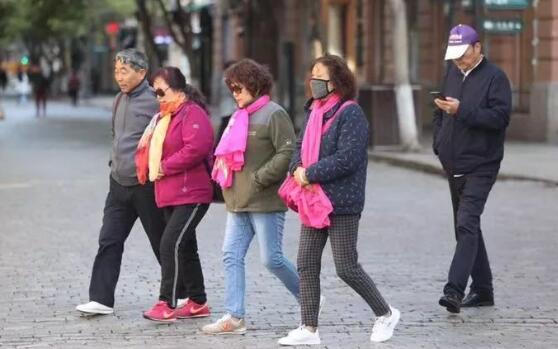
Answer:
(461, 36)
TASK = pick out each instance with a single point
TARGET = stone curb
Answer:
(422, 166)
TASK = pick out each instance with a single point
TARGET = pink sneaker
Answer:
(160, 312)
(192, 310)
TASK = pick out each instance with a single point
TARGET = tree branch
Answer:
(145, 20)
(182, 19)
(170, 24)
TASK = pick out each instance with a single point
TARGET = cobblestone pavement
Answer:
(53, 181)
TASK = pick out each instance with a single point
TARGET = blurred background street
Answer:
(54, 170)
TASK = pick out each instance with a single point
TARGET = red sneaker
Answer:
(192, 310)
(160, 312)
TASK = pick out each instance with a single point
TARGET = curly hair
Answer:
(255, 77)
(340, 75)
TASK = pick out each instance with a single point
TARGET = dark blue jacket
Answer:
(473, 139)
(341, 168)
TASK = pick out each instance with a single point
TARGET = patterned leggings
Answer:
(343, 233)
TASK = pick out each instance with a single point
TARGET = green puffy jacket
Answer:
(271, 142)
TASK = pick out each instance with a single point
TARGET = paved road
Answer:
(53, 181)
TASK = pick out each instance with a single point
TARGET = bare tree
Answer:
(403, 92)
(316, 37)
(144, 18)
(179, 24)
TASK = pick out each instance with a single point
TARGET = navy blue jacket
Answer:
(341, 168)
(473, 139)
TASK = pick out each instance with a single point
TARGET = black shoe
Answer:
(477, 299)
(451, 301)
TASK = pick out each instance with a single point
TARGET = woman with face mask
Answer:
(175, 153)
(326, 187)
(252, 159)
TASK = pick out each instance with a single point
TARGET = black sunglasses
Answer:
(160, 92)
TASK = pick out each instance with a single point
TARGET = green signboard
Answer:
(502, 26)
(506, 4)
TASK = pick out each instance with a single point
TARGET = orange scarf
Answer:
(150, 147)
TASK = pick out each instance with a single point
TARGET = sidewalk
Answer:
(522, 161)
(53, 185)
(101, 101)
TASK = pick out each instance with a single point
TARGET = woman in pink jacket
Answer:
(175, 153)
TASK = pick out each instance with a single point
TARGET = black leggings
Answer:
(180, 263)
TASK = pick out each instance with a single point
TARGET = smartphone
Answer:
(437, 94)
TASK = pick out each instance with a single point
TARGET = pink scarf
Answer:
(311, 203)
(229, 154)
(315, 128)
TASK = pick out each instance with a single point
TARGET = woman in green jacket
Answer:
(252, 160)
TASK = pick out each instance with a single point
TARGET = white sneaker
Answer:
(181, 302)
(301, 336)
(226, 325)
(94, 308)
(384, 326)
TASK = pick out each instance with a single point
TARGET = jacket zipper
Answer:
(462, 86)
(118, 164)
(452, 136)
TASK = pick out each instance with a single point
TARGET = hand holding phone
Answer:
(437, 95)
(449, 105)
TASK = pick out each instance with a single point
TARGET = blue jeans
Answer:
(239, 232)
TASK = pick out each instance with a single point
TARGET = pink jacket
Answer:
(186, 151)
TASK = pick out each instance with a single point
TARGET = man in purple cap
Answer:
(469, 130)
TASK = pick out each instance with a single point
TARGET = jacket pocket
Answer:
(472, 142)
(442, 142)
(436, 144)
(255, 185)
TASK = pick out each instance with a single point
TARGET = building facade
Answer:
(287, 35)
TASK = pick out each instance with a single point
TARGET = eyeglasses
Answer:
(236, 89)
(160, 92)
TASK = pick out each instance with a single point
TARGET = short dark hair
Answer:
(176, 81)
(255, 77)
(340, 75)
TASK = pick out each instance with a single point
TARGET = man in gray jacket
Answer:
(127, 200)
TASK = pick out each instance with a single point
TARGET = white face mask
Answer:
(319, 88)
